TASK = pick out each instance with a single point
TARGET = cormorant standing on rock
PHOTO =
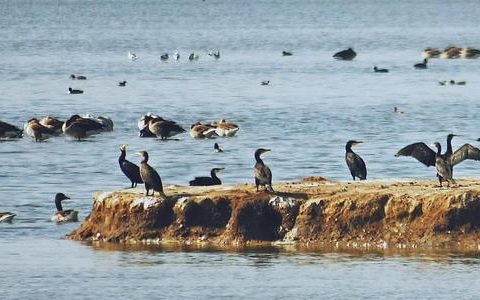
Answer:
(355, 163)
(263, 175)
(205, 181)
(131, 170)
(149, 176)
(444, 169)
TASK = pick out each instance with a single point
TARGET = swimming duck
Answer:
(451, 52)
(132, 56)
(431, 53)
(469, 53)
(202, 131)
(224, 128)
(421, 66)
(6, 217)
(63, 216)
(265, 82)
(193, 56)
(164, 128)
(122, 83)
(8, 131)
(442, 82)
(52, 123)
(80, 128)
(287, 53)
(78, 77)
(453, 82)
(215, 55)
(164, 57)
(37, 131)
(377, 70)
(217, 149)
(348, 54)
(74, 92)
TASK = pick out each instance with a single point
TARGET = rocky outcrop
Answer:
(310, 212)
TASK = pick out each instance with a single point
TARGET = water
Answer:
(313, 106)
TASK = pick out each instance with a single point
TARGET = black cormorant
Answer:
(204, 181)
(9, 131)
(348, 54)
(61, 216)
(131, 170)
(149, 176)
(263, 175)
(444, 169)
(377, 70)
(421, 65)
(122, 83)
(355, 163)
(287, 53)
(265, 82)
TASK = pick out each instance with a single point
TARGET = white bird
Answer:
(132, 56)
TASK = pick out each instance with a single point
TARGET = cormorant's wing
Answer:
(467, 151)
(420, 151)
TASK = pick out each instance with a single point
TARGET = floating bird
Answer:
(149, 176)
(263, 175)
(451, 52)
(164, 57)
(164, 128)
(216, 148)
(176, 55)
(215, 55)
(74, 92)
(132, 56)
(444, 169)
(202, 131)
(80, 128)
(131, 170)
(469, 53)
(205, 181)
(193, 56)
(6, 217)
(397, 111)
(442, 82)
(143, 124)
(37, 131)
(78, 77)
(52, 123)
(225, 128)
(8, 131)
(453, 82)
(355, 163)
(122, 83)
(431, 53)
(421, 66)
(348, 54)
(287, 53)
(377, 70)
(265, 82)
(63, 216)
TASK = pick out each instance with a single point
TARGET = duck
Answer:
(451, 52)
(431, 53)
(216, 148)
(78, 77)
(397, 111)
(9, 131)
(287, 53)
(421, 66)
(348, 54)
(224, 128)
(143, 124)
(215, 55)
(442, 82)
(63, 216)
(132, 56)
(74, 91)
(164, 128)
(469, 53)
(193, 56)
(6, 217)
(37, 131)
(176, 55)
(80, 128)
(462, 82)
(122, 83)
(265, 82)
(52, 123)
(164, 57)
(106, 122)
(131, 170)
(202, 131)
(377, 70)
(207, 181)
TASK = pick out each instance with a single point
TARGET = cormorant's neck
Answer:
(348, 148)
(449, 145)
(144, 160)
(122, 155)
(439, 151)
(258, 159)
(213, 174)
(58, 204)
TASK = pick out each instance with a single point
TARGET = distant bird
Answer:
(164, 128)
(78, 77)
(164, 57)
(265, 82)
(193, 56)
(145, 119)
(444, 169)
(74, 92)
(421, 66)
(206, 181)
(442, 82)
(431, 53)
(451, 52)
(37, 131)
(215, 55)
(63, 216)
(469, 53)
(377, 70)
(287, 53)
(131, 170)
(132, 56)
(6, 217)
(453, 82)
(176, 55)
(355, 163)
(397, 111)
(348, 54)
(8, 131)
(52, 123)
(202, 131)
(216, 148)
(263, 175)
(149, 176)
(80, 128)
(122, 83)
(225, 128)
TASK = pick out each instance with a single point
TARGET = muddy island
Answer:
(313, 211)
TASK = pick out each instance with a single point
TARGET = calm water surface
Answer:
(313, 106)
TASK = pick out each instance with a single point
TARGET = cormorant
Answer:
(63, 216)
(131, 170)
(217, 148)
(348, 54)
(37, 131)
(444, 169)
(78, 77)
(9, 131)
(164, 57)
(225, 128)
(122, 83)
(355, 163)
(73, 92)
(204, 181)
(202, 131)
(377, 70)
(6, 217)
(263, 175)
(149, 176)
(287, 53)
(421, 66)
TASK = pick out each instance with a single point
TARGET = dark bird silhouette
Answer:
(9, 131)
(348, 54)
(216, 148)
(377, 70)
(421, 66)
(78, 77)
(287, 53)
(205, 181)
(131, 170)
(150, 177)
(443, 167)
(122, 83)
(73, 92)
(355, 163)
(63, 216)
(164, 57)
(80, 128)
(263, 175)
(265, 82)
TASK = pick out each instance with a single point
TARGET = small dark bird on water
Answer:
(287, 53)
(348, 54)
(206, 181)
(377, 70)
(131, 170)
(421, 66)
(263, 175)
(149, 176)
(73, 91)
(217, 148)
(78, 77)
(164, 57)
(355, 163)
(122, 83)
(63, 216)
(265, 82)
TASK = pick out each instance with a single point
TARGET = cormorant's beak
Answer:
(66, 197)
(266, 150)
